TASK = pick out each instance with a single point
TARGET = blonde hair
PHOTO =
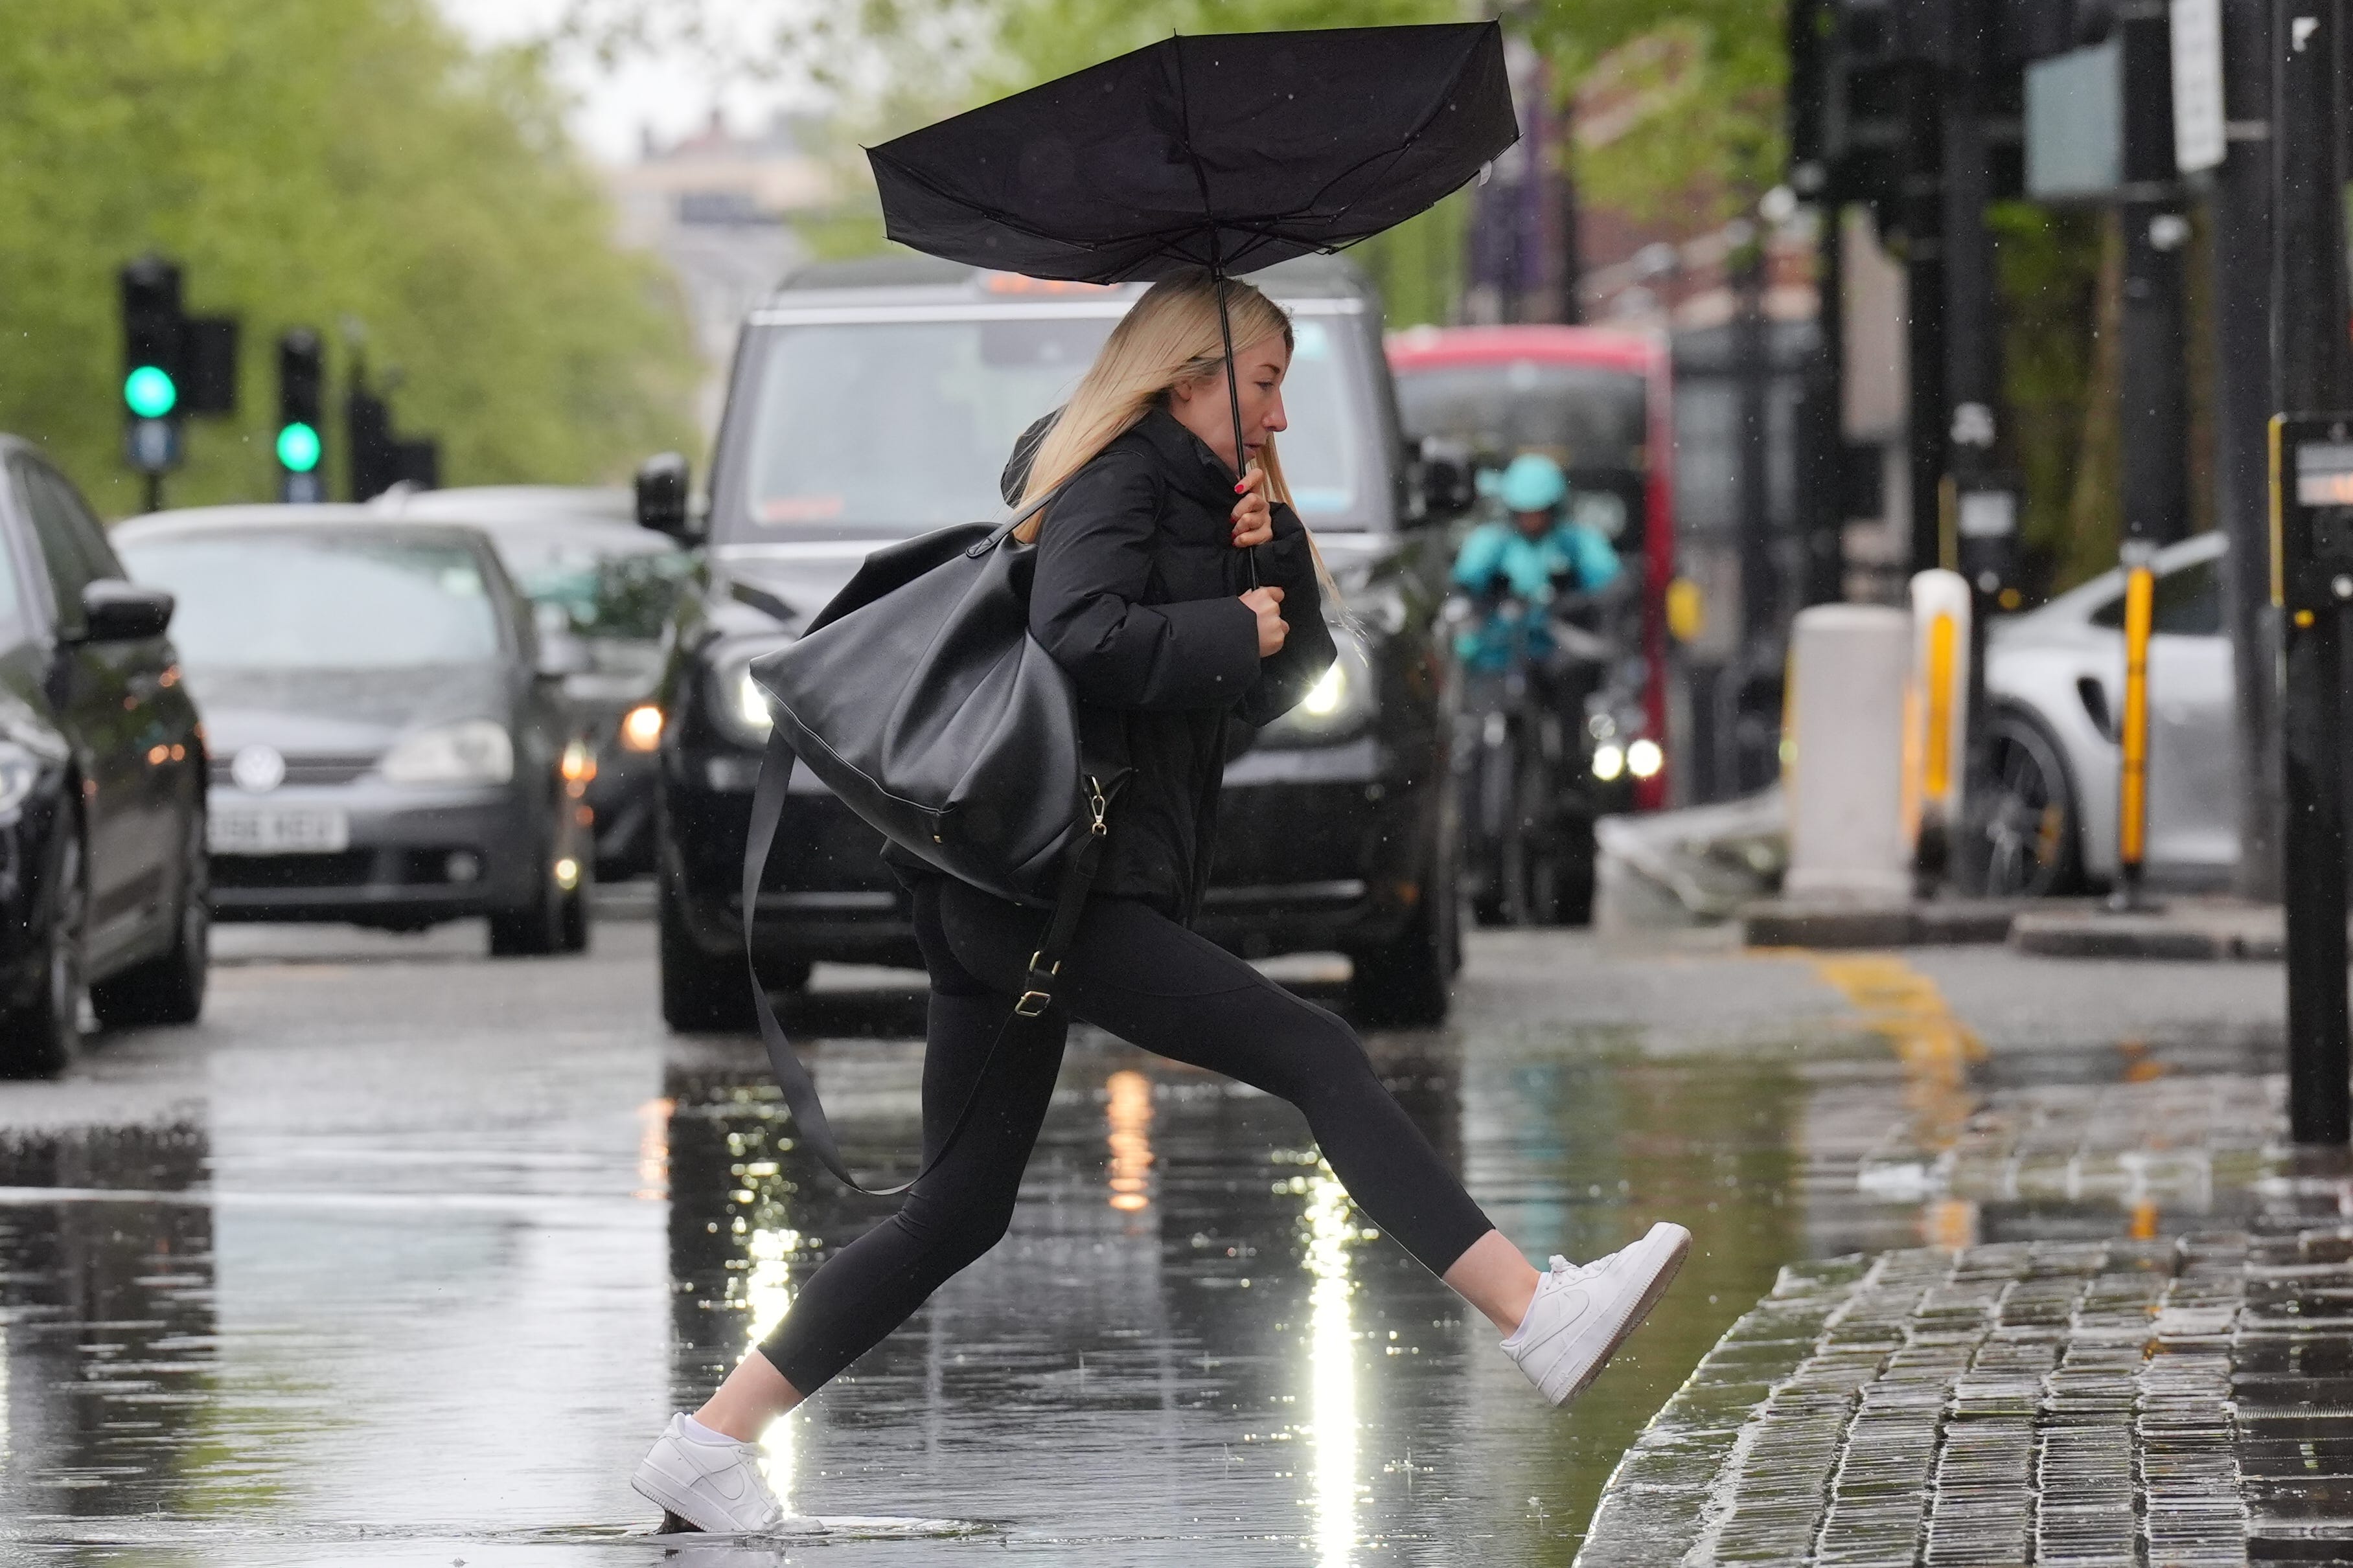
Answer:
(1169, 338)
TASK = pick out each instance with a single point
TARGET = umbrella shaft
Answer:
(1233, 391)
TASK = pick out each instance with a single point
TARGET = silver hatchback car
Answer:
(2055, 681)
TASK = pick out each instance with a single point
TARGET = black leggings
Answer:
(1137, 974)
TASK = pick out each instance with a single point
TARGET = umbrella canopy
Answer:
(1227, 151)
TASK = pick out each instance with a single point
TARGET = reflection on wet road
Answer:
(405, 1256)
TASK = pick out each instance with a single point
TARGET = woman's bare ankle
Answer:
(755, 1394)
(1492, 1275)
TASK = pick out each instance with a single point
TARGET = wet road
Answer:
(402, 1255)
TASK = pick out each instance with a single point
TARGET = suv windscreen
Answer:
(906, 425)
(281, 599)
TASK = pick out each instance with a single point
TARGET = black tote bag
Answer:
(918, 696)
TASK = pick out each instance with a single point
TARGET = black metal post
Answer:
(153, 482)
(2309, 299)
(2153, 438)
(1567, 228)
(1823, 522)
(1822, 429)
(1972, 374)
(2153, 428)
(2240, 235)
(1928, 418)
(1752, 371)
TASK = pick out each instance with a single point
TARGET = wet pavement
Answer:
(402, 1255)
(2131, 1347)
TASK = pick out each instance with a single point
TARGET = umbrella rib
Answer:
(1394, 155)
(1266, 229)
(987, 212)
(1185, 122)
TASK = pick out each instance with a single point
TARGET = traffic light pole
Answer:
(2310, 295)
(2241, 208)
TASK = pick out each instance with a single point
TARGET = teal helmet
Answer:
(1532, 483)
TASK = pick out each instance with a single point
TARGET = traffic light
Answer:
(302, 385)
(155, 337)
(174, 364)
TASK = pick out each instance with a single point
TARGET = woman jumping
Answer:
(1139, 596)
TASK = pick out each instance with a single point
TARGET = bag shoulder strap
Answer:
(793, 1075)
(1005, 530)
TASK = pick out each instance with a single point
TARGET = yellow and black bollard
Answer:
(2132, 776)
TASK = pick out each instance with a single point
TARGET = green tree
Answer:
(326, 165)
(1709, 138)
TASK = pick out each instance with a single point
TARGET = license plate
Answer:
(278, 830)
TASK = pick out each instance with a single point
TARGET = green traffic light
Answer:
(150, 393)
(298, 448)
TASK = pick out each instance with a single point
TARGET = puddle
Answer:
(444, 1262)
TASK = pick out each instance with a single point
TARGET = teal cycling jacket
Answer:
(1498, 557)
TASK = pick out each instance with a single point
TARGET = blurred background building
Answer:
(718, 207)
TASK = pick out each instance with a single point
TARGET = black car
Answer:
(595, 576)
(390, 743)
(871, 401)
(102, 783)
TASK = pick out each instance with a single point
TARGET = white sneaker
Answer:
(715, 1487)
(1582, 1314)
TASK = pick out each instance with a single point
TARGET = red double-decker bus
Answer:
(1600, 402)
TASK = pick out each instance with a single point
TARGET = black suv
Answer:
(875, 399)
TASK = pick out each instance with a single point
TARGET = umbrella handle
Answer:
(1233, 390)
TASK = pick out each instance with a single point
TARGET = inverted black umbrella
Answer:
(1227, 151)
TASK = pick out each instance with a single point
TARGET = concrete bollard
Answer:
(1850, 670)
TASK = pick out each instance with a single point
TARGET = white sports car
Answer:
(2055, 681)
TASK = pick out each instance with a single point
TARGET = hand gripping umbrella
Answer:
(1227, 151)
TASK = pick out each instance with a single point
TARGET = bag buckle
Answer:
(1097, 805)
(1035, 1000)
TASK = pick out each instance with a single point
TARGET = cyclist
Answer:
(1527, 836)
(1513, 569)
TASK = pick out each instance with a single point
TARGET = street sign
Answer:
(2074, 123)
(2099, 120)
(2198, 137)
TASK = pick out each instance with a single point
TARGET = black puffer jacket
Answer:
(1138, 596)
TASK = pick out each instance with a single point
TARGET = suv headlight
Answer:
(474, 752)
(737, 701)
(1340, 702)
